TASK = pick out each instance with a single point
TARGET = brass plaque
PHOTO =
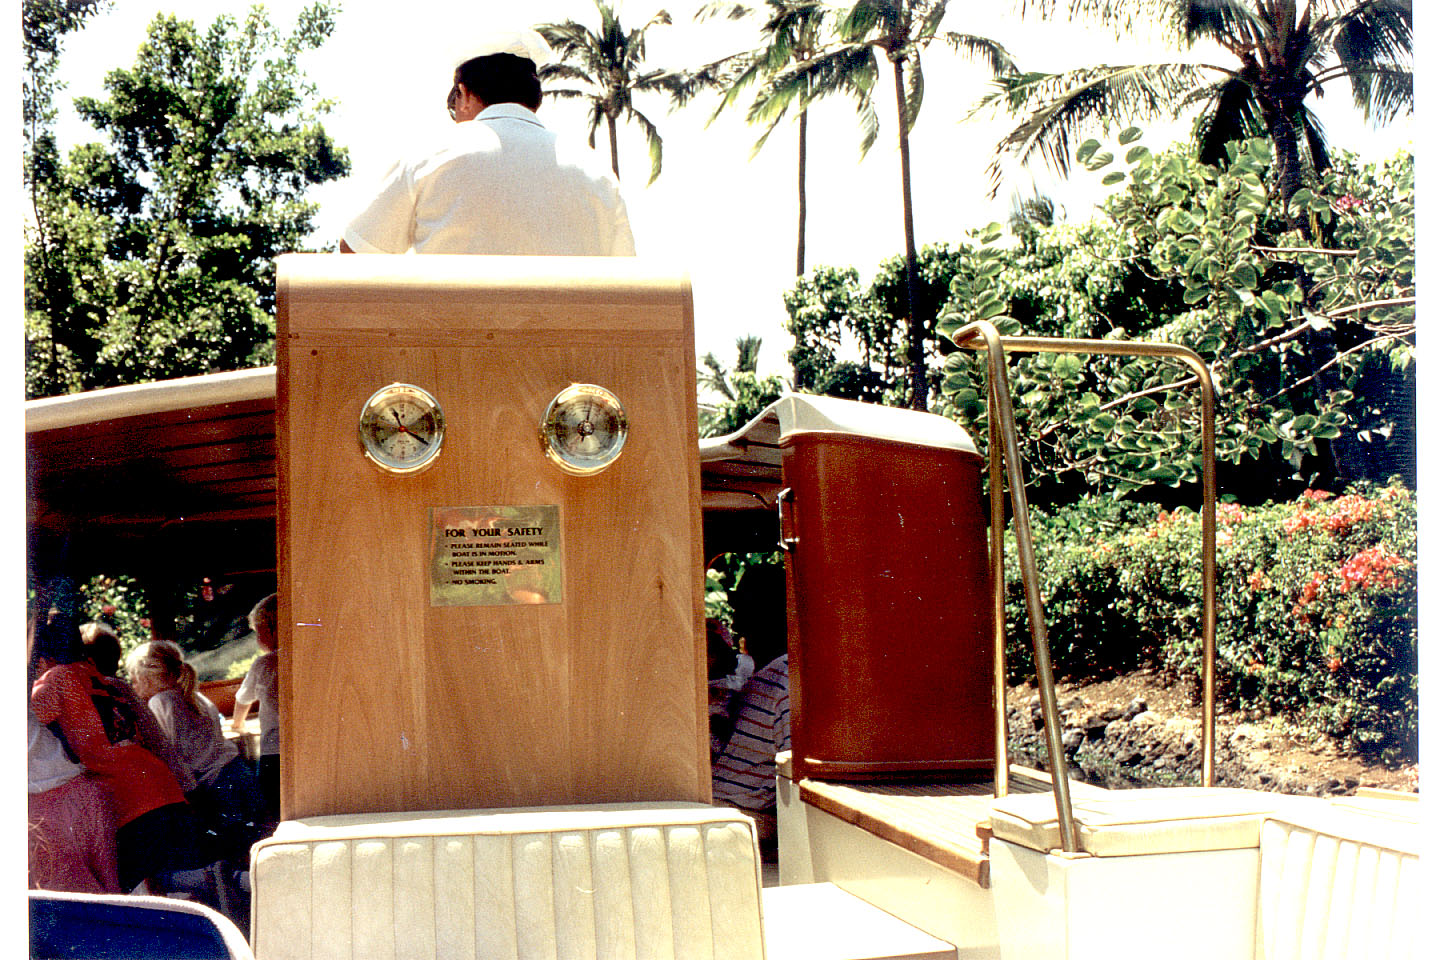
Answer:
(488, 556)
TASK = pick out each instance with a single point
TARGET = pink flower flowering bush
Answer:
(1316, 606)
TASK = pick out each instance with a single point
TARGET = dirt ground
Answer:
(1271, 755)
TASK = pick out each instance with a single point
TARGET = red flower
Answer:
(1374, 566)
(108, 610)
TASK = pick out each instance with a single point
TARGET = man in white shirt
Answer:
(503, 183)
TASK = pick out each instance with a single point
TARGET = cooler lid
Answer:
(760, 439)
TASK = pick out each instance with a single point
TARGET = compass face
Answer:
(401, 428)
(584, 429)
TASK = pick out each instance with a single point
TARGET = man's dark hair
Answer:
(760, 612)
(501, 78)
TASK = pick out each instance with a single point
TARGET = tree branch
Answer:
(1274, 250)
(1323, 367)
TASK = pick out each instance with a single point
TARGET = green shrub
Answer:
(1316, 603)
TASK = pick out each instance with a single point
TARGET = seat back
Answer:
(1338, 881)
(114, 927)
(605, 881)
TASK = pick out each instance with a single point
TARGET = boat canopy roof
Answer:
(161, 472)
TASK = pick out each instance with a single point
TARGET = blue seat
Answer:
(105, 927)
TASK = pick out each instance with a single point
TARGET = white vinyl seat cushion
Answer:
(1340, 880)
(1145, 821)
(632, 881)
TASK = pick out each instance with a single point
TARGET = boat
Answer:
(896, 838)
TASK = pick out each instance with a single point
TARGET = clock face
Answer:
(401, 428)
(584, 429)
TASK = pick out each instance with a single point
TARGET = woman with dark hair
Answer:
(103, 726)
(71, 835)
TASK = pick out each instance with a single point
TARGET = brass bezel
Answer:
(551, 426)
(371, 446)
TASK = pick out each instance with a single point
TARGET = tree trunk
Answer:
(1345, 453)
(919, 390)
(800, 238)
(1287, 167)
(614, 147)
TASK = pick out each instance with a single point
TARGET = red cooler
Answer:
(888, 574)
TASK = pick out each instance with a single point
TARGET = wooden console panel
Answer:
(392, 704)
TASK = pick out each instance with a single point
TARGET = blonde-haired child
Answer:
(226, 794)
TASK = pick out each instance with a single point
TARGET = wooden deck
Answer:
(946, 823)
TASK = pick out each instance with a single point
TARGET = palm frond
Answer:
(1373, 44)
(565, 93)
(930, 23)
(720, 8)
(652, 139)
(859, 21)
(1218, 20)
(747, 353)
(564, 71)
(1314, 144)
(1122, 16)
(914, 91)
(1231, 113)
(597, 113)
(987, 51)
(1069, 102)
(715, 376)
(1372, 30)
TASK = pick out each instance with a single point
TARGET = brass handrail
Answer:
(1003, 437)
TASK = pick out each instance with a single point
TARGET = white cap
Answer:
(520, 43)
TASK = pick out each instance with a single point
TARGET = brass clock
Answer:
(584, 429)
(401, 428)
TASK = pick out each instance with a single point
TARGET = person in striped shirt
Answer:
(743, 775)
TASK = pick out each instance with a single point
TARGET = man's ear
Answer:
(465, 92)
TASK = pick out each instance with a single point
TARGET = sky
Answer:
(716, 212)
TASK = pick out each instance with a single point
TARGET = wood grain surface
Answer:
(392, 704)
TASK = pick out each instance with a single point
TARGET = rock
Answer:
(1134, 709)
(1072, 738)
(1145, 719)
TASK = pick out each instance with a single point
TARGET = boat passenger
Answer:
(71, 822)
(262, 685)
(102, 646)
(743, 775)
(720, 663)
(500, 183)
(103, 726)
(227, 796)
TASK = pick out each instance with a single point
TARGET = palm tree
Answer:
(608, 63)
(791, 35)
(900, 30)
(745, 392)
(1285, 54)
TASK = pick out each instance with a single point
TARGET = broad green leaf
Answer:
(1087, 150)
(1130, 135)
(1112, 178)
(1067, 366)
